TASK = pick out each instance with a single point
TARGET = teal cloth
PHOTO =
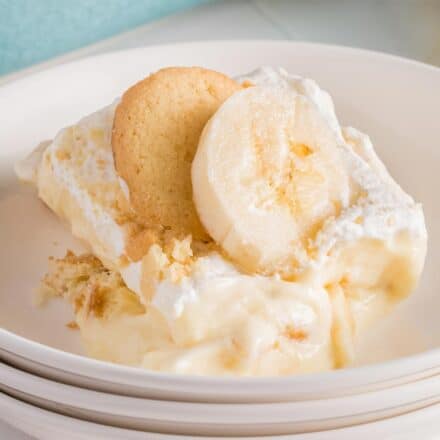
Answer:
(32, 31)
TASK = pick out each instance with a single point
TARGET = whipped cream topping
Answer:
(89, 169)
(27, 169)
(79, 161)
(266, 76)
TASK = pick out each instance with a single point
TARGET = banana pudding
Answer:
(234, 227)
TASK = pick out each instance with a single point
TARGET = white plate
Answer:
(219, 419)
(46, 425)
(392, 99)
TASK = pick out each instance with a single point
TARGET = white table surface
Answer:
(408, 28)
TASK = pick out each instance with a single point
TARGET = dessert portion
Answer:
(234, 227)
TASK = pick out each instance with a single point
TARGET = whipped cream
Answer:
(78, 164)
(266, 76)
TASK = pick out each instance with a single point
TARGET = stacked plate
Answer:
(132, 399)
(51, 391)
(43, 424)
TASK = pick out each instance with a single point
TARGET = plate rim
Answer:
(56, 392)
(39, 419)
(298, 43)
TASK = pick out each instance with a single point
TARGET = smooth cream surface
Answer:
(215, 319)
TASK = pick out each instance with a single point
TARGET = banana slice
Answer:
(266, 174)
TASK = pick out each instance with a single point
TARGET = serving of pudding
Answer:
(234, 227)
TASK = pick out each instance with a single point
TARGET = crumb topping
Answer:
(91, 288)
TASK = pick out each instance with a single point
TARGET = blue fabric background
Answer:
(35, 30)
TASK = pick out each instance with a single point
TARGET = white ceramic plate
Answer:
(219, 419)
(46, 425)
(392, 99)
